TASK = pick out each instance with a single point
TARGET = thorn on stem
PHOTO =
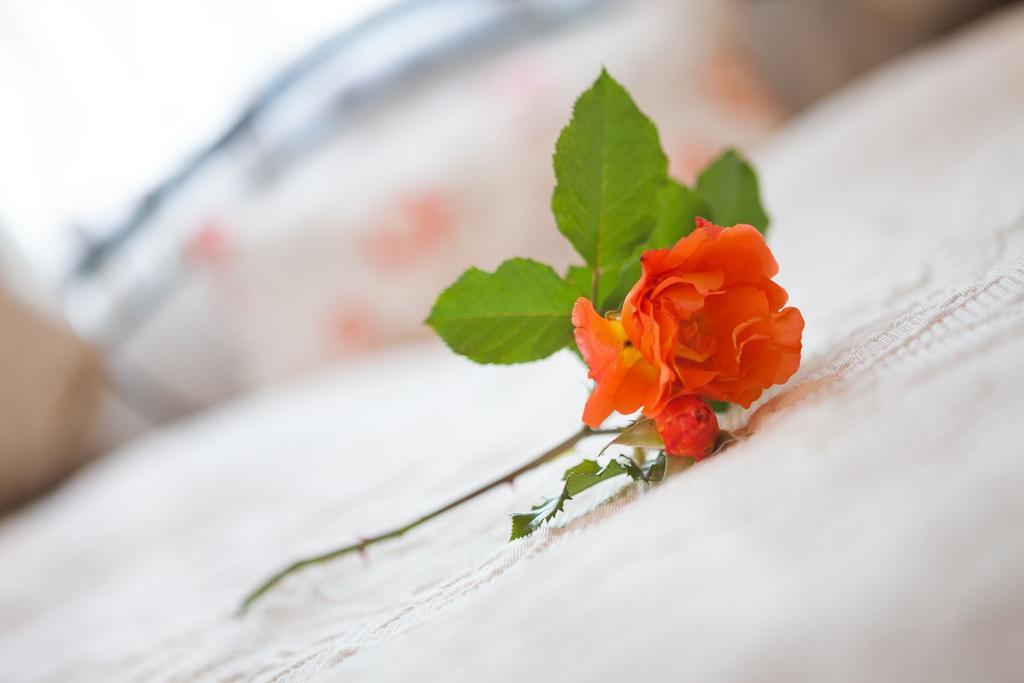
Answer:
(364, 543)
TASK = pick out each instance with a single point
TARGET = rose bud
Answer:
(688, 427)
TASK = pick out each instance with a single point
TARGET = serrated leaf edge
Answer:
(577, 480)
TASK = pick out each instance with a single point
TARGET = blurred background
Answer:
(199, 199)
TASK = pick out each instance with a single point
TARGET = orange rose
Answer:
(705, 320)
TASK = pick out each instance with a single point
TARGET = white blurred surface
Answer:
(102, 98)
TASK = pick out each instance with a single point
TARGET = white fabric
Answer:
(869, 529)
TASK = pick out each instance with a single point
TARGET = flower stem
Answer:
(364, 543)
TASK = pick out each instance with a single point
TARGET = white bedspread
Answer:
(870, 529)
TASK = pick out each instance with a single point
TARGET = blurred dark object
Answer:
(808, 48)
(51, 394)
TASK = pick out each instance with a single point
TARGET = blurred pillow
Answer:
(348, 250)
(459, 175)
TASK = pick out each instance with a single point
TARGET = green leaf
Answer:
(525, 523)
(654, 470)
(609, 167)
(678, 206)
(730, 189)
(642, 433)
(579, 478)
(582, 279)
(519, 313)
(719, 406)
(627, 276)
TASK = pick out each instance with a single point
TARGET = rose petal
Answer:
(598, 339)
